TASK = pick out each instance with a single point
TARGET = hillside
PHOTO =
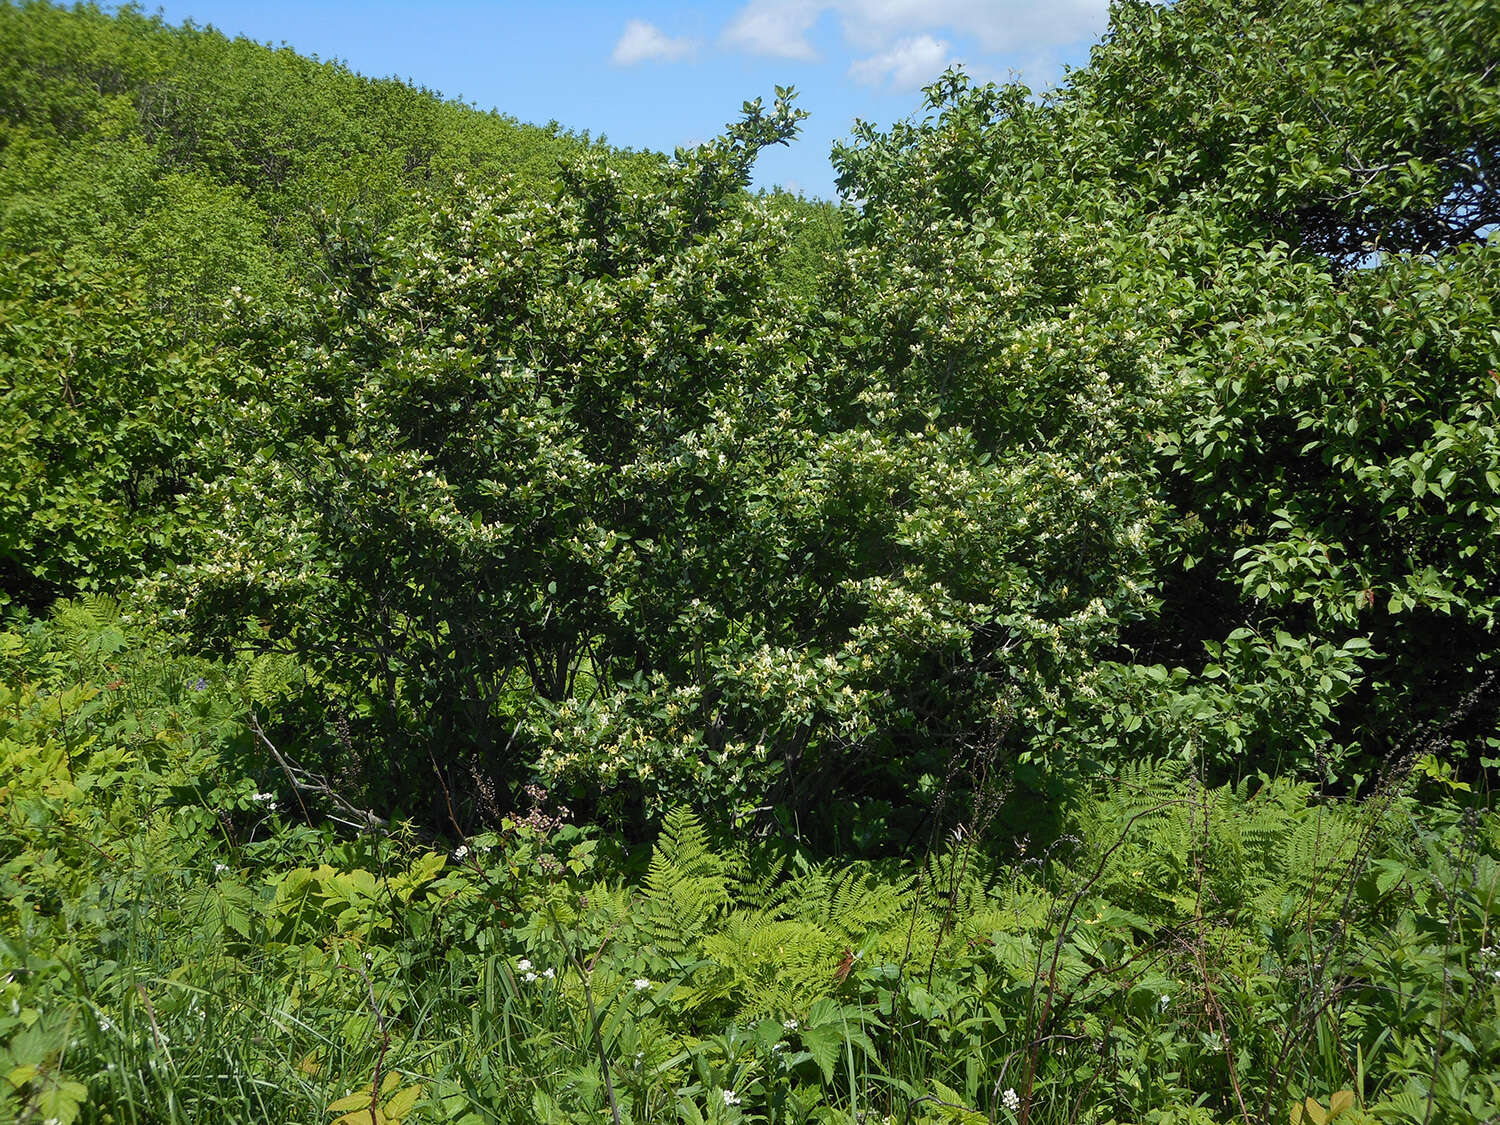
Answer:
(150, 123)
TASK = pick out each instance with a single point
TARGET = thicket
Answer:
(150, 174)
(1043, 610)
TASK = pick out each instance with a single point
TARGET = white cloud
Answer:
(644, 42)
(997, 25)
(775, 27)
(780, 27)
(909, 65)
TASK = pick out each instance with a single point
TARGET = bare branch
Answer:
(305, 781)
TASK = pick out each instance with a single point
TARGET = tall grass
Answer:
(1052, 997)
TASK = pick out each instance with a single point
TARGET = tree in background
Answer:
(153, 179)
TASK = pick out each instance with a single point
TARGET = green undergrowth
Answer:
(187, 940)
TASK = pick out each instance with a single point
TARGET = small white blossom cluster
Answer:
(637, 733)
(1011, 1100)
(1489, 957)
(529, 974)
(801, 684)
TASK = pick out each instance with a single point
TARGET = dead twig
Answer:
(306, 781)
(385, 1040)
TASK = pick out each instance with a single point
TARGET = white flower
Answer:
(522, 965)
(1161, 1004)
(790, 1025)
(731, 1098)
(460, 853)
(641, 983)
(1011, 1100)
(220, 868)
(104, 1024)
(549, 974)
(263, 797)
(529, 977)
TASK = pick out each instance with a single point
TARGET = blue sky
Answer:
(658, 74)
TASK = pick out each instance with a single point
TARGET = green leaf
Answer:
(825, 1044)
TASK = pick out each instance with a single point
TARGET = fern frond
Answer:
(270, 678)
(687, 886)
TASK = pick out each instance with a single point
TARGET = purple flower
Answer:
(199, 684)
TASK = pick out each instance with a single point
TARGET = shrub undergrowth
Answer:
(184, 940)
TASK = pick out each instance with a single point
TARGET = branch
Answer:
(305, 781)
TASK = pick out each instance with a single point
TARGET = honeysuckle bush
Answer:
(524, 419)
(1279, 269)
(570, 489)
(1152, 416)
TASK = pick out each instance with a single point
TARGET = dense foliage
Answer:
(498, 628)
(149, 175)
(1322, 438)
(180, 943)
